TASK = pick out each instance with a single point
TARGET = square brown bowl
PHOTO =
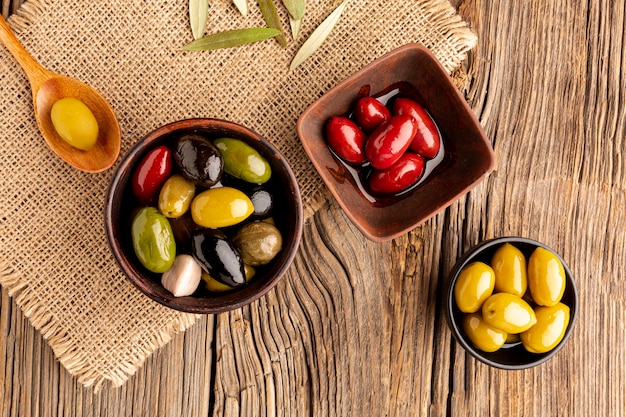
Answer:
(466, 157)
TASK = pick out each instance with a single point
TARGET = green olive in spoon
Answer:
(48, 88)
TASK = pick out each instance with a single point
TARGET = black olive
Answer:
(228, 180)
(218, 257)
(183, 227)
(263, 202)
(198, 159)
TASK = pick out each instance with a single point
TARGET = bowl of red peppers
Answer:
(396, 142)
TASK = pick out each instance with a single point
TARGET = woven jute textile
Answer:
(54, 258)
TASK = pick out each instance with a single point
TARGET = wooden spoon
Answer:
(47, 88)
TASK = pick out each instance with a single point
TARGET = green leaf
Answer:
(231, 38)
(270, 15)
(242, 6)
(318, 36)
(198, 12)
(296, 25)
(295, 8)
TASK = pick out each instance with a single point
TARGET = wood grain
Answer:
(356, 328)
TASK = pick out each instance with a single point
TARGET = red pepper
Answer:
(389, 141)
(151, 173)
(346, 139)
(427, 140)
(370, 113)
(398, 177)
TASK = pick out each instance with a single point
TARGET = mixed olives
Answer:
(388, 140)
(513, 301)
(203, 214)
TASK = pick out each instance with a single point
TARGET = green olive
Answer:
(550, 328)
(258, 242)
(220, 207)
(243, 161)
(75, 123)
(474, 284)
(176, 196)
(546, 277)
(508, 313)
(486, 338)
(509, 266)
(153, 240)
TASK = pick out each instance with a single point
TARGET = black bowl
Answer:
(119, 204)
(513, 356)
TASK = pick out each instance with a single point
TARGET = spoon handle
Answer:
(35, 72)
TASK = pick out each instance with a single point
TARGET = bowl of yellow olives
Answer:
(203, 215)
(511, 302)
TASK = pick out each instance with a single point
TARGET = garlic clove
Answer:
(183, 278)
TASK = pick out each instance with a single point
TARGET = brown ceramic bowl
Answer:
(120, 203)
(466, 156)
(511, 356)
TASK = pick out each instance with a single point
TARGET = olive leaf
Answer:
(198, 12)
(318, 36)
(242, 6)
(270, 15)
(231, 38)
(295, 24)
(295, 8)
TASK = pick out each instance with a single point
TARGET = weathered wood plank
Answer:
(356, 328)
(560, 179)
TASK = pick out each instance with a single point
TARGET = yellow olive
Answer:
(75, 123)
(550, 328)
(529, 298)
(176, 196)
(546, 277)
(473, 286)
(214, 285)
(508, 313)
(512, 338)
(250, 272)
(220, 207)
(486, 338)
(509, 266)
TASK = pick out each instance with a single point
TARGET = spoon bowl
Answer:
(47, 88)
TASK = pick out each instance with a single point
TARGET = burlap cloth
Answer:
(54, 259)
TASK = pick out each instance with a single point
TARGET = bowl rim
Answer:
(189, 124)
(364, 227)
(450, 306)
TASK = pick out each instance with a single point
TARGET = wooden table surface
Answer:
(357, 328)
